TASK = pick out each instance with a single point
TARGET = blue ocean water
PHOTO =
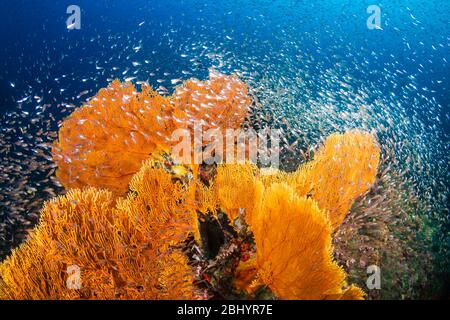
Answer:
(316, 64)
(37, 44)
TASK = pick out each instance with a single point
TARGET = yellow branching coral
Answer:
(103, 143)
(294, 252)
(342, 170)
(117, 257)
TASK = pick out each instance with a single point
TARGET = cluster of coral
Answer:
(132, 216)
(103, 143)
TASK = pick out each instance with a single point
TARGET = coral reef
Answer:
(186, 231)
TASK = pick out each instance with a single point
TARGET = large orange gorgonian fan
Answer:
(104, 142)
(292, 217)
(293, 247)
(343, 169)
(125, 249)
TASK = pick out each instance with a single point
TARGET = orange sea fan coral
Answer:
(206, 198)
(235, 185)
(221, 102)
(116, 260)
(37, 269)
(293, 241)
(103, 143)
(342, 170)
(353, 292)
(160, 204)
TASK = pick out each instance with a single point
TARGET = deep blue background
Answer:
(35, 43)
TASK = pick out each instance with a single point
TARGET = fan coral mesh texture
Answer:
(123, 251)
(221, 102)
(342, 170)
(293, 216)
(235, 188)
(294, 252)
(103, 143)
